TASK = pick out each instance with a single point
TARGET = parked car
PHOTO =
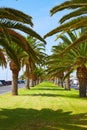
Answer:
(21, 81)
(1, 84)
(8, 82)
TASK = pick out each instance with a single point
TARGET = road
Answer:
(5, 89)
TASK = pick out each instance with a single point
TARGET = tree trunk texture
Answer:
(58, 81)
(27, 83)
(67, 85)
(82, 77)
(32, 80)
(27, 77)
(14, 83)
(15, 71)
(61, 75)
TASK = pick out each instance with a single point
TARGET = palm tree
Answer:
(63, 69)
(13, 46)
(11, 19)
(14, 53)
(54, 69)
(14, 19)
(19, 55)
(39, 74)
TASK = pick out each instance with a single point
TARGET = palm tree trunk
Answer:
(32, 79)
(15, 71)
(27, 77)
(82, 77)
(67, 80)
(14, 83)
(27, 83)
(31, 83)
(67, 86)
(82, 87)
(61, 75)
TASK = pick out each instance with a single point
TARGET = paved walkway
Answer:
(5, 89)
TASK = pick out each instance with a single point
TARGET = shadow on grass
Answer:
(45, 119)
(61, 92)
(55, 95)
(51, 89)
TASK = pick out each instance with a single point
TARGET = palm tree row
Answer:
(33, 61)
(73, 56)
(15, 45)
(21, 50)
(74, 59)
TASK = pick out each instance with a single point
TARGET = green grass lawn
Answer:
(44, 107)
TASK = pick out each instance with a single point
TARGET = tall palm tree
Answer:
(19, 54)
(15, 45)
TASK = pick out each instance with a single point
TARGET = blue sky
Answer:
(43, 22)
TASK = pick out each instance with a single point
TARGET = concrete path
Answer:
(5, 89)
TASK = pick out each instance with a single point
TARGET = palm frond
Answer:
(83, 38)
(3, 59)
(21, 27)
(75, 13)
(9, 51)
(69, 72)
(73, 24)
(72, 35)
(15, 36)
(68, 5)
(16, 15)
